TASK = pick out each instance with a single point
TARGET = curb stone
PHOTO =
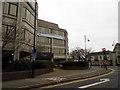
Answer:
(53, 83)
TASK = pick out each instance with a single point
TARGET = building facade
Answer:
(52, 40)
(96, 58)
(18, 26)
(117, 53)
(119, 22)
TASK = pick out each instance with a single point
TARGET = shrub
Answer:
(77, 64)
(43, 64)
(21, 65)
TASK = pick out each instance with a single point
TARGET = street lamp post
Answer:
(34, 50)
(104, 57)
(85, 46)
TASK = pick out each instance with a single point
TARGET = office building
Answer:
(18, 25)
(52, 40)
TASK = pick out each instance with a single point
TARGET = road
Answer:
(107, 81)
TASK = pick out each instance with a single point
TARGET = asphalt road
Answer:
(108, 81)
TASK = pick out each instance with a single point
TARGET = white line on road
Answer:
(97, 83)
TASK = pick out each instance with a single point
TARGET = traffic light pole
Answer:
(104, 57)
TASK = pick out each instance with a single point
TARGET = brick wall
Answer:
(6, 76)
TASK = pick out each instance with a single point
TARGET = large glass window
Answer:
(59, 51)
(43, 30)
(44, 40)
(46, 49)
(10, 9)
(58, 42)
(61, 33)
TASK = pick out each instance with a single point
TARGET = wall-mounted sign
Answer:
(51, 35)
(44, 55)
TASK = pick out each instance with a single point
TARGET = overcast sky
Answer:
(97, 19)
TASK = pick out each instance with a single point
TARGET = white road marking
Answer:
(55, 79)
(97, 83)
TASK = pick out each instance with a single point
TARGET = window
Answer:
(58, 42)
(43, 30)
(92, 58)
(5, 8)
(10, 9)
(22, 34)
(59, 51)
(50, 30)
(32, 19)
(32, 4)
(23, 13)
(8, 32)
(100, 57)
(13, 9)
(53, 31)
(28, 37)
(61, 33)
(28, 16)
(46, 49)
(4, 28)
(11, 32)
(44, 40)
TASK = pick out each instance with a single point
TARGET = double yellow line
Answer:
(76, 81)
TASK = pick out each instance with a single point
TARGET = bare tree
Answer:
(79, 53)
(8, 36)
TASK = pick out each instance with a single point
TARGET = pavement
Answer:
(58, 76)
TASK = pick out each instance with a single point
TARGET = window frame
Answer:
(6, 36)
(9, 8)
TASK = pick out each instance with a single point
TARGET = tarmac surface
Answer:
(58, 76)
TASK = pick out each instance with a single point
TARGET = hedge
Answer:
(20, 65)
(43, 64)
(77, 64)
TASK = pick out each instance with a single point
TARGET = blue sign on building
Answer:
(34, 54)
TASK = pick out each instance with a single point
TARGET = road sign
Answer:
(33, 54)
(33, 51)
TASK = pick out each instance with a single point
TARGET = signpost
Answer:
(101, 61)
(34, 55)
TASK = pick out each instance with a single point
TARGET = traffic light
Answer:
(104, 51)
